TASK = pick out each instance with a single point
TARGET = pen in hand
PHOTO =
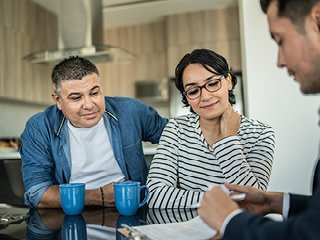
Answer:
(234, 197)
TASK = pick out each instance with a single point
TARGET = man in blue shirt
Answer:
(85, 137)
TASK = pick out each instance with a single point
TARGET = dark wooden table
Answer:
(92, 223)
(54, 224)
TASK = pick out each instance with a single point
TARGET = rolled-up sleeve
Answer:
(37, 163)
(33, 195)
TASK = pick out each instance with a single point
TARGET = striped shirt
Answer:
(170, 215)
(184, 165)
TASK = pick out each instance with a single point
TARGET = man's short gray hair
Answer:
(72, 68)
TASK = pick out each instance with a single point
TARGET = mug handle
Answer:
(146, 190)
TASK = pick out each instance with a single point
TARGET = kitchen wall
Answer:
(24, 28)
(148, 42)
(216, 29)
(24, 87)
(160, 45)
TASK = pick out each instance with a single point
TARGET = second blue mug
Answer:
(127, 197)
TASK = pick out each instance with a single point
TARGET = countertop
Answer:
(7, 155)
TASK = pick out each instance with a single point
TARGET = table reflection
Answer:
(74, 227)
(92, 223)
(101, 223)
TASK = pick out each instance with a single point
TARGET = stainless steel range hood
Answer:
(80, 32)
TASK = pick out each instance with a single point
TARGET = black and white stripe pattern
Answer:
(185, 165)
(170, 215)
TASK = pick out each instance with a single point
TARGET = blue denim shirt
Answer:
(45, 147)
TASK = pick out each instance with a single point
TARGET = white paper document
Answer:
(194, 229)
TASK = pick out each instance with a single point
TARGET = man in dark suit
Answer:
(295, 27)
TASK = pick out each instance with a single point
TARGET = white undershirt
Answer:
(92, 158)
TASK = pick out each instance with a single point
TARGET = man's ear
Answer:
(315, 14)
(56, 98)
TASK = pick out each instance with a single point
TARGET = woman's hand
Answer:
(229, 122)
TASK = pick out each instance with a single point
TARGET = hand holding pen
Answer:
(233, 195)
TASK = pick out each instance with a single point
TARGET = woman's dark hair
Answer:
(212, 62)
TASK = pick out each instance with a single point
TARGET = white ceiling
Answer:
(128, 12)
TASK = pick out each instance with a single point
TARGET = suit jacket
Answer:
(303, 221)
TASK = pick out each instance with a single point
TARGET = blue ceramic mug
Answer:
(72, 196)
(127, 197)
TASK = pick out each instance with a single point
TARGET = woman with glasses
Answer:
(212, 145)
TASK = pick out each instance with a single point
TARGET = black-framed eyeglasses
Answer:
(212, 86)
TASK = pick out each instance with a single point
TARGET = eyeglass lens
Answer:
(211, 86)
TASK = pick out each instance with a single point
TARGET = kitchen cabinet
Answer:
(214, 29)
(24, 28)
(160, 45)
(148, 42)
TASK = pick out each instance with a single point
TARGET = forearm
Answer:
(163, 175)
(233, 163)
(162, 183)
(94, 198)
(165, 196)
(51, 198)
(244, 168)
(103, 196)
